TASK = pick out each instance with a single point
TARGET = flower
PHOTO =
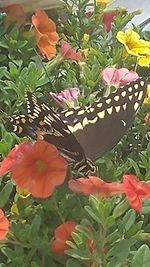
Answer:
(68, 52)
(66, 97)
(104, 3)
(38, 167)
(94, 185)
(144, 61)
(4, 225)
(46, 34)
(62, 234)
(8, 163)
(135, 46)
(135, 190)
(147, 118)
(15, 13)
(108, 19)
(117, 77)
(147, 99)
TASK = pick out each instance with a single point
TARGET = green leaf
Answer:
(121, 250)
(73, 263)
(94, 214)
(35, 226)
(142, 257)
(129, 219)
(5, 194)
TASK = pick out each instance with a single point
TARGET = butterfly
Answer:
(83, 134)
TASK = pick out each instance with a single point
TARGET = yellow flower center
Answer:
(41, 165)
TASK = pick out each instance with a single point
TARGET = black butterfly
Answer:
(85, 133)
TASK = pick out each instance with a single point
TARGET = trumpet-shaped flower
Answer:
(68, 52)
(4, 225)
(104, 3)
(135, 190)
(63, 234)
(37, 167)
(108, 19)
(66, 97)
(135, 46)
(15, 13)
(118, 77)
(95, 185)
(46, 34)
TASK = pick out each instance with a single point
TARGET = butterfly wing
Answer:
(99, 126)
(43, 123)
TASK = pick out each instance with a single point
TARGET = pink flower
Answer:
(108, 19)
(69, 53)
(94, 185)
(135, 190)
(66, 97)
(118, 77)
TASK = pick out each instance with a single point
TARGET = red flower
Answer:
(46, 34)
(4, 225)
(62, 234)
(8, 163)
(94, 185)
(135, 190)
(69, 53)
(117, 77)
(37, 167)
(108, 19)
(15, 13)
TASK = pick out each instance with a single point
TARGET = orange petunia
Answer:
(37, 167)
(15, 13)
(8, 163)
(62, 234)
(95, 185)
(4, 225)
(46, 34)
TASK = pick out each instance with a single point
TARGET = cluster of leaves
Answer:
(120, 236)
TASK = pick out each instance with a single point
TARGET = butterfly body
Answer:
(85, 133)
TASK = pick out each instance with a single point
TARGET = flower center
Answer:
(41, 165)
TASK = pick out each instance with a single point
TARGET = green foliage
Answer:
(109, 233)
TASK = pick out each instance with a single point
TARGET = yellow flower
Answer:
(147, 99)
(14, 208)
(24, 193)
(133, 44)
(144, 61)
(104, 3)
(86, 37)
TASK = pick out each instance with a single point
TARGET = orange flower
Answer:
(15, 13)
(135, 190)
(46, 34)
(4, 225)
(63, 234)
(8, 163)
(40, 169)
(94, 185)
